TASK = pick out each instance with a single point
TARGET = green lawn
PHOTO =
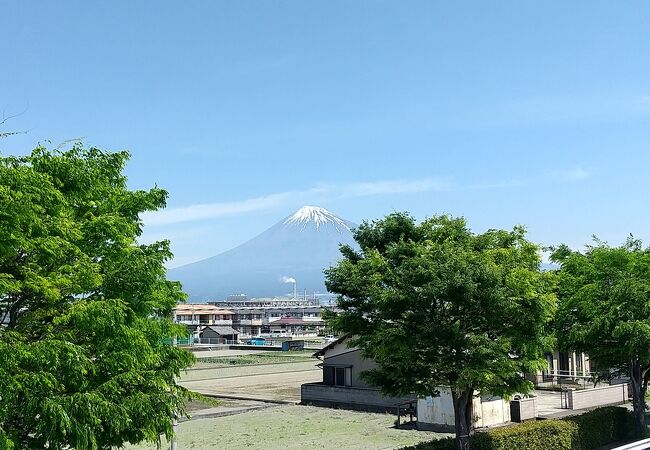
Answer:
(253, 359)
(295, 427)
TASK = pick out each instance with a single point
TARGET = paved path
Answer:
(549, 406)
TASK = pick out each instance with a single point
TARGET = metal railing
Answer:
(405, 408)
(191, 341)
(639, 445)
(215, 341)
(567, 377)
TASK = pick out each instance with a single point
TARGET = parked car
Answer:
(330, 338)
(256, 341)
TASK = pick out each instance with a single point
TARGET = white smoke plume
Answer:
(286, 279)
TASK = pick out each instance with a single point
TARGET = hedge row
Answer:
(602, 426)
(587, 431)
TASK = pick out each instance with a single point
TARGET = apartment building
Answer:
(200, 314)
(275, 316)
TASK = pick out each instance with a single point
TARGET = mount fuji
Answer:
(300, 246)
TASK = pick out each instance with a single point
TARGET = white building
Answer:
(198, 314)
(437, 413)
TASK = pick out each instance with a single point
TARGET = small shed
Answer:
(219, 334)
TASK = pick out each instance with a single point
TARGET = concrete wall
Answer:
(437, 413)
(362, 399)
(494, 411)
(353, 358)
(588, 398)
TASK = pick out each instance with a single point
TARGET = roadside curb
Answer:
(251, 399)
(233, 412)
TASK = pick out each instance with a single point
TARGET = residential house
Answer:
(564, 368)
(198, 316)
(344, 387)
(214, 334)
(294, 326)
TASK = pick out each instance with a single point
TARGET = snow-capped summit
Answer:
(300, 246)
(316, 215)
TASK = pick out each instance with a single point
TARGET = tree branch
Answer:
(6, 117)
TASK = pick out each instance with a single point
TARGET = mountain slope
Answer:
(301, 246)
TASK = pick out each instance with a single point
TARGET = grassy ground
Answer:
(259, 358)
(295, 427)
(277, 376)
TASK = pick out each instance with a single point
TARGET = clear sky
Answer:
(506, 112)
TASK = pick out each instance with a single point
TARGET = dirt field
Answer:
(284, 386)
(206, 373)
(295, 427)
(278, 377)
(255, 423)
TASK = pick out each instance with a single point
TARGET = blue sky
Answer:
(509, 112)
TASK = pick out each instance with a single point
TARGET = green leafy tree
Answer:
(435, 305)
(86, 309)
(604, 310)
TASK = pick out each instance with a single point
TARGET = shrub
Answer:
(541, 435)
(601, 426)
(588, 431)
(439, 444)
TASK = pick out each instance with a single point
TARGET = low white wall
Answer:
(588, 398)
(364, 399)
(437, 413)
(494, 410)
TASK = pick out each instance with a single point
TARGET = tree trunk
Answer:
(462, 417)
(637, 376)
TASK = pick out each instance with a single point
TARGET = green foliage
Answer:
(252, 360)
(605, 292)
(605, 310)
(5, 442)
(588, 431)
(546, 435)
(437, 305)
(83, 363)
(602, 426)
(438, 444)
